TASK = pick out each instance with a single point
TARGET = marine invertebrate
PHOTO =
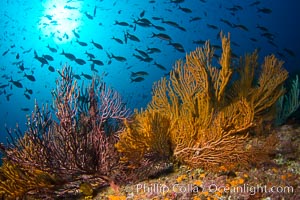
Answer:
(288, 103)
(269, 87)
(209, 113)
(154, 129)
(16, 181)
(77, 146)
(151, 153)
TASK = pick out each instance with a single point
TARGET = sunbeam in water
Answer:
(60, 19)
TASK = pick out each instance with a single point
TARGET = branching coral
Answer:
(266, 92)
(210, 114)
(16, 181)
(221, 143)
(79, 145)
(154, 129)
(288, 103)
(151, 153)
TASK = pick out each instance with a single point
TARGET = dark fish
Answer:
(281, 55)
(176, 1)
(48, 57)
(84, 44)
(76, 34)
(159, 66)
(195, 19)
(268, 35)
(17, 56)
(118, 58)
(272, 43)
(18, 62)
(4, 86)
(153, 50)
(238, 7)
(233, 9)
(7, 96)
(162, 36)
(91, 56)
(68, 55)
(186, 10)
(93, 68)
(132, 37)
(5, 76)
(27, 51)
(226, 22)
(66, 36)
(88, 15)
(290, 52)
(5, 52)
(121, 23)
(70, 7)
(212, 26)
(143, 53)
(138, 57)
(181, 28)
(29, 77)
(264, 10)
(117, 40)
(147, 59)
(139, 73)
(27, 96)
(98, 46)
(29, 91)
(49, 17)
(177, 46)
(262, 28)
(54, 22)
(160, 28)
(142, 23)
(87, 76)
(125, 38)
(25, 109)
(97, 62)
(52, 49)
(18, 84)
(240, 26)
(171, 23)
(51, 69)
(157, 18)
(255, 3)
(142, 13)
(79, 61)
(138, 79)
(253, 39)
(40, 59)
(145, 21)
(77, 76)
(95, 10)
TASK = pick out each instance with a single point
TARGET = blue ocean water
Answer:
(34, 32)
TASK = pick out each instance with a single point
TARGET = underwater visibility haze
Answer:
(129, 45)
